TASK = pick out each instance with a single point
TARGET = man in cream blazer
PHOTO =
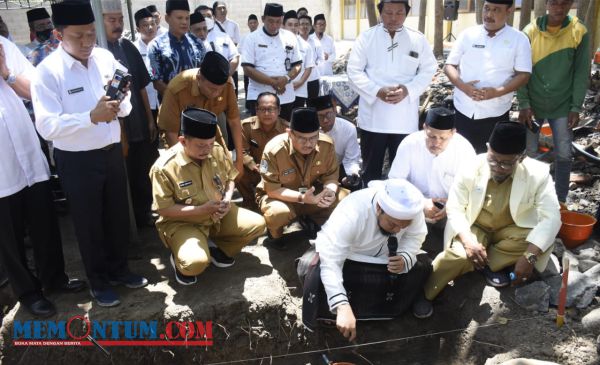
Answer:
(502, 211)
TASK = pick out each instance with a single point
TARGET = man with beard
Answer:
(139, 125)
(502, 211)
(487, 64)
(369, 247)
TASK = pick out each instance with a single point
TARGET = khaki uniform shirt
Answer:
(177, 179)
(495, 213)
(183, 92)
(281, 166)
(254, 139)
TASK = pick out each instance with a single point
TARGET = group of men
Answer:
(294, 159)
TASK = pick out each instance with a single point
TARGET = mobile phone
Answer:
(535, 126)
(439, 205)
(116, 88)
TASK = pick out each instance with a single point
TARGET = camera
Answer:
(116, 88)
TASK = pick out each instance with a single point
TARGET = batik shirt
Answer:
(169, 56)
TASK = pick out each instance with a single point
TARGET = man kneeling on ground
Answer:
(501, 212)
(370, 267)
(192, 185)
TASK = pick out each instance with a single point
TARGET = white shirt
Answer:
(492, 61)
(346, 145)
(22, 162)
(352, 232)
(327, 46)
(307, 62)
(65, 92)
(377, 61)
(268, 54)
(432, 175)
(223, 44)
(315, 44)
(232, 29)
(161, 30)
(150, 90)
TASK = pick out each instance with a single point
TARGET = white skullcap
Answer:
(111, 6)
(398, 198)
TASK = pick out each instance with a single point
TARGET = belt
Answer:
(108, 147)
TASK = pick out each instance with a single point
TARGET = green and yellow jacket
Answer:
(561, 69)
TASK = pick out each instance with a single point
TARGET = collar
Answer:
(279, 125)
(195, 89)
(174, 39)
(499, 32)
(270, 35)
(70, 60)
(398, 31)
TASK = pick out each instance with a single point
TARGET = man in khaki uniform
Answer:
(299, 176)
(210, 88)
(502, 211)
(256, 132)
(192, 185)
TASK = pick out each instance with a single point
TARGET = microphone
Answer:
(392, 245)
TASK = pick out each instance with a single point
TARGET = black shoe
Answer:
(105, 297)
(40, 307)
(71, 286)
(130, 280)
(276, 243)
(422, 308)
(219, 258)
(182, 279)
(310, 227)
(498, 279)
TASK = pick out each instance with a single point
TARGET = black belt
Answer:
(109, 147)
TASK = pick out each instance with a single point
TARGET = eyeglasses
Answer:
(326, 116)
(504, 165)
(304, 140)
(267, 110)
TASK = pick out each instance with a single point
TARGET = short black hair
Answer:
(268, 93)
(380, 7)
(201, 8)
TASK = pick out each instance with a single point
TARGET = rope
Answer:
(355, 346)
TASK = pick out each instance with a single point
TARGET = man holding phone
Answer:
(73, 111)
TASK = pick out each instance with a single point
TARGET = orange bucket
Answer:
(576, 228)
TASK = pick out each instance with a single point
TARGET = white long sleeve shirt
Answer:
(327, 46)
(306, 53)
(376, 61)
(65, 92)
(432, 175)
(352, 232)
(491, 60)
(346, 145)
(22, 162)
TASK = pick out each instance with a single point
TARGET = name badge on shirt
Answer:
(185, 183)
(75, 91)
(289, 171)
(479, 46)
(263, 46)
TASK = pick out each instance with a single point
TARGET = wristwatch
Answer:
(531, 257)
(11, 78)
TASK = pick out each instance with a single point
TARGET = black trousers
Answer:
(140, 159)
(313, 88)
(95, 184)
(477, 131)
(372, 149)
(246, 82)
(31, 211)
(372, 291)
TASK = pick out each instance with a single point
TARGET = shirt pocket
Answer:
(288, 176)
(409, 65)
(185, 194)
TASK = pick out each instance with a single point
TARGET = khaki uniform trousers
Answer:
(189, 244)
(504, 248)
(279, 214)
(246, 185)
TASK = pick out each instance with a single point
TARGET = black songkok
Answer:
(304, 120)
(508, 138)
(198, 123)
